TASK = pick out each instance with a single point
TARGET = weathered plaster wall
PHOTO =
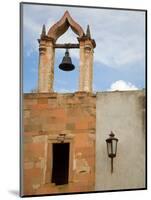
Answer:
(45, 117)
(79, 116)
(123, 113)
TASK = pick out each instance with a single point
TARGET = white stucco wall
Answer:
(123, 113)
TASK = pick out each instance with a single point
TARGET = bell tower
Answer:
(47, 46)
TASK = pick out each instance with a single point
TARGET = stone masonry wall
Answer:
(45, 117)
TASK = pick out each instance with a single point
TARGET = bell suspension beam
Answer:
(66, 46)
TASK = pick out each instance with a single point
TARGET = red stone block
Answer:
(42, 100)
(34, 149)
(51, 115)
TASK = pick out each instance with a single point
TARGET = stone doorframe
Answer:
(57, 138)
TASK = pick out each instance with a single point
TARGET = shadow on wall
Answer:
(14, 192)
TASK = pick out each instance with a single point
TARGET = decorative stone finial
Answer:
(88, 34)
(43, 33)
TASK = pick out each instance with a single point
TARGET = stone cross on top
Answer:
(47, 45)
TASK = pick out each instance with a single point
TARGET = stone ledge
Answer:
(53, 95)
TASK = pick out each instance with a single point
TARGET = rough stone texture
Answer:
(124, 114)
(47, 54)
(77, 116)
(46, 115)
(86, 65)
(46, 66)
(62, 26)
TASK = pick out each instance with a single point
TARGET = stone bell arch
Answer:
(47, 45)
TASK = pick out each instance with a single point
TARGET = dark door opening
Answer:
(60, 167)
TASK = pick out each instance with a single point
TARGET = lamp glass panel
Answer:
(114, 144)
(109, 148)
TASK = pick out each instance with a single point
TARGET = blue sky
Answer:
(119, 56)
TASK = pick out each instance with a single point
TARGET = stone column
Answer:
(41, 68)
(49, 63)
(46, 66)
(86, 65)
(82, 65)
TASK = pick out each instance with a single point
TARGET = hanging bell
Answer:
(66, 64)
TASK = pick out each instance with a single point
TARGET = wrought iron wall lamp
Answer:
(111, 148)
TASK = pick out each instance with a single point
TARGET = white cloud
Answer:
(122, 85)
